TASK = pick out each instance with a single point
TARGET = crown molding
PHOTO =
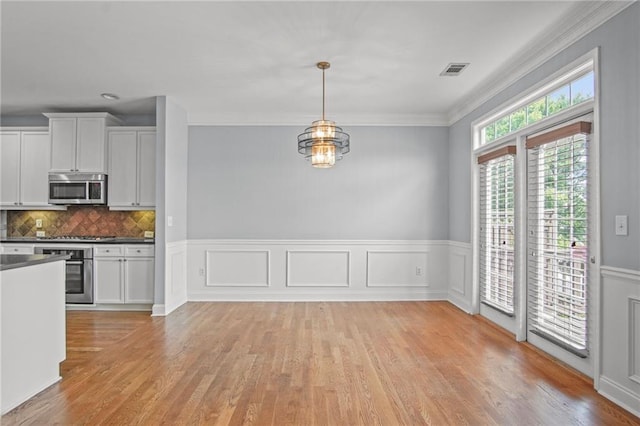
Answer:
(586, 16)
(419, 120)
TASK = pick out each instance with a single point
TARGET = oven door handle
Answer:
(75, 262)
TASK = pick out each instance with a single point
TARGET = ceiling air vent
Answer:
(454, 69)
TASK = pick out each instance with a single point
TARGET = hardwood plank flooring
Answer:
(381, 363)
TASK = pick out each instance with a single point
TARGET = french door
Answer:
(558, 241)
(497, 234)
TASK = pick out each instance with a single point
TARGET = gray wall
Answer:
(25, 121)
(250, 182)
(619, 41)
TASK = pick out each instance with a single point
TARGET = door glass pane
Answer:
(497, 233)
(582, 89)
(557, 241)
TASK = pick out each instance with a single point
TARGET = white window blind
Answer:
(557, 240)
(497, 229)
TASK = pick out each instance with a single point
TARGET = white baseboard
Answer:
(161, 310)
(308, 297)
(460, 302)
(111, 307)
(619, 395)
(158, 310)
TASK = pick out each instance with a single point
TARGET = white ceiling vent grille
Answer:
(454, 69)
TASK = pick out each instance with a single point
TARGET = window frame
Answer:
(566, 75)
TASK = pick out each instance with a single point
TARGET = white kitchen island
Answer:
(32, 322)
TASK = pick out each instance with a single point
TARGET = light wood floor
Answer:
(393, 363)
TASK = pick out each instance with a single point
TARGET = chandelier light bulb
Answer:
(323, 155)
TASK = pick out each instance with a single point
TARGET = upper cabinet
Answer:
(132, 168)
(24, 166)
(78, 141)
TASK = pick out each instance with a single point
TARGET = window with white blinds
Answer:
(558, 230)
(497, 236)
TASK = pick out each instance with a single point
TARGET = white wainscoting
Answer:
(460, 275)
(620, 346)
(175, 283)
(237, 268)
(397, 268)
(292, 270)
(318, 268)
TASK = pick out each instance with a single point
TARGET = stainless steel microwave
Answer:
(77, 188)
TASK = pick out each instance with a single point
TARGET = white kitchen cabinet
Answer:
(24, 167)
(139, 274)
(132, 168)
(107, 274)
(78, 141)
(124, 273)
(16, 248)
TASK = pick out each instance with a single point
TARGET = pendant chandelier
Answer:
(323, 143)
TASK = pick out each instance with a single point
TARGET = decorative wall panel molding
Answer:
(175, 294)
(397, 268)
(634, 339)
(457, 271)
(239, 267)
(318, 268)
(178, 271)
(459, 275)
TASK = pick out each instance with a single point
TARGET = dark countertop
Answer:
(117, 240)
(14, 261)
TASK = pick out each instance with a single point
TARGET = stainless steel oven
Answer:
(79, 272)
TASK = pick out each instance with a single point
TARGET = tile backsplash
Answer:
(81, 221)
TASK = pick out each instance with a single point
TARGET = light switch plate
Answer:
(622, 225)
(38, 223)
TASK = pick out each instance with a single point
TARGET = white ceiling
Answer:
(254, 62)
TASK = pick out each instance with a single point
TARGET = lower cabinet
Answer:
(16, 249)
(124, 273)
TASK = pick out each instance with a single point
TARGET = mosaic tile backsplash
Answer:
(81, 221)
